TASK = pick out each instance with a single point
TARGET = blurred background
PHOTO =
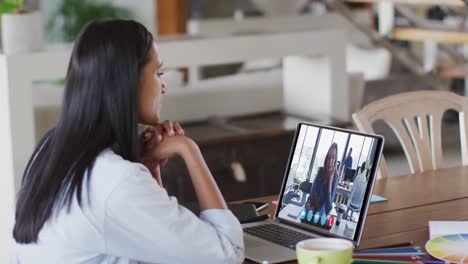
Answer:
(243, 73)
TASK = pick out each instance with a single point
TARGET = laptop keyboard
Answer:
(277, 234)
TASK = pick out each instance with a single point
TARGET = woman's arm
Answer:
(313, 192)
(329, 202)
(143, 223)
(330, 183)
(331, 194)
(208, 194)
(207, 191)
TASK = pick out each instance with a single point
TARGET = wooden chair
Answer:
(416, 119)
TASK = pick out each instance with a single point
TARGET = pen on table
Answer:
(379, 261)
(413, 253)
(255, 219)
(367, 261)
(394, 257)
(431, 262)
(386, 250)
(413, 260)
(404, 244)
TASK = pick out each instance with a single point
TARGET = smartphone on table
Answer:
(259, 206)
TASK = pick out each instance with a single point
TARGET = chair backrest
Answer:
(306, 186)
(416, 120)
(349, 175)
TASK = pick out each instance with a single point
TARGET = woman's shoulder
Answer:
(108, 160)
(110, 170)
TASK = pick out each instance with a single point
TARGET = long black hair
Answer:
(99, 111)
(333, 148)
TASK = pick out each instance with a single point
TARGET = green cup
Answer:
(324, 251)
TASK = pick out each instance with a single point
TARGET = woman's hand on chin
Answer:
(169, 129)
(151, 138)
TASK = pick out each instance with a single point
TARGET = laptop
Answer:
(316, 198)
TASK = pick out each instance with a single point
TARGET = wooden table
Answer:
(413, 201)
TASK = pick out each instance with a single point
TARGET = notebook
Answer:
(377, 199)
(441, 228)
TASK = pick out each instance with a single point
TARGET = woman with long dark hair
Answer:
(324, 188)
(86, 196)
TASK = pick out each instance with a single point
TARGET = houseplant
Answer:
(21, 30)
(10, 6)
(70, 16)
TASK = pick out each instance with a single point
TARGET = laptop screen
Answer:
(329, 177)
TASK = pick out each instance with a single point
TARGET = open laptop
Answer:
(317, 199)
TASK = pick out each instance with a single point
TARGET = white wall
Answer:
(7, 186)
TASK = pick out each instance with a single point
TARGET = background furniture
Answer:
(258, 146)
(416, 119)
(405, 216)
(362, 55)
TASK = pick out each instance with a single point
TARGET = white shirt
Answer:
(129, 218)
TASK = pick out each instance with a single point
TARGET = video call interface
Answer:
(327, 180)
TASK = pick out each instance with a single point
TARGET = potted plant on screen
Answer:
(21, 30)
